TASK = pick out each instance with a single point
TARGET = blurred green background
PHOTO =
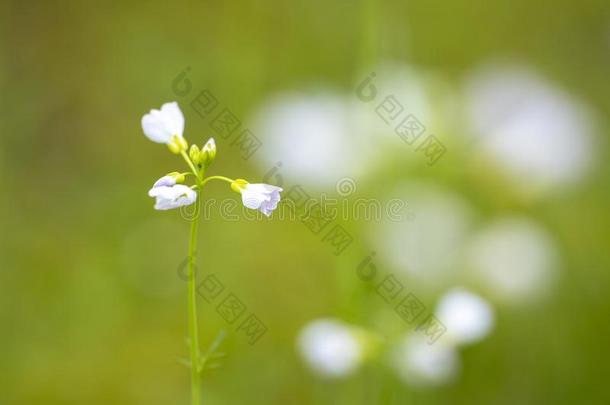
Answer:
(92, 308)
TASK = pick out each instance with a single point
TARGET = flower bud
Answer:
(177, 144)
(184, 145)
(178, 177)
(208, 152)
(174, 148)
(194, 154)
(210, 147)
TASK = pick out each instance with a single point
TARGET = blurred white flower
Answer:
(309, 134)
(161, 125)
(467, 317)
(428, 246)
(169, 197)
(409, 86)
(397, 87)
(323, 135)
(423, 364)
(330, 348)
(262, 197)
(515, 259)
(539, 134)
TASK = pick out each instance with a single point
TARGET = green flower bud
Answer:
(184, 145)
(210, 147)
(177, 144)
(179, 177)
(174, 148)
(208, 152)
(194, 154)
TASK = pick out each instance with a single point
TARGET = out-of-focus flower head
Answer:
(323, 135)
(422, 364)
(515, 259)
(331, 348)
(540, 135)
(428, 246)
(309, 133)
(467, 317)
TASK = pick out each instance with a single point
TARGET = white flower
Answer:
(165, 181)
(423, 364)
(262, 197)
(466, 316)
(321, 134)
(161, 125)
(311, 133)
(441, 222)
(330, 348)
(169, 197)
(539, 134)
(515, 259)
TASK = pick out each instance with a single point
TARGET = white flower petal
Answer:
(209, 145)
(172, 197)
(252, 200)
(158, 191)
(467, 317)
(160, 125)
(515, 259)
(541, 136)
(441, 222)
(263, 197)
(154, 127)
(173, 117)
(330, 348)
(165, 181)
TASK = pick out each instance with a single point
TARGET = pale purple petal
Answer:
(165, 181)
(263, 197)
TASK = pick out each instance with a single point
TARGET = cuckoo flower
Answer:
(169, 197)
(167, 126)
(262, 197)
(160, 125)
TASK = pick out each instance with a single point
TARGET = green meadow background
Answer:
(92, 308)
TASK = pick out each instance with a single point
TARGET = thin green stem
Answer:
(192, 282)
(192, 306)
(223, 178)
(188, 162)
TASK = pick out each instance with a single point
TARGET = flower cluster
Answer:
(334, 349)
(167, 126)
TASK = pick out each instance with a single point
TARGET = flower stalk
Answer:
(192, 305)
(166, 126)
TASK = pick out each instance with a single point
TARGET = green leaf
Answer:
(184, 362)
(210, 353)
